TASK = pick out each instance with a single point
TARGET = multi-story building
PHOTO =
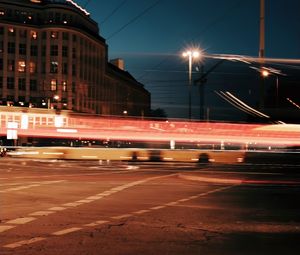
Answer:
(51, 55)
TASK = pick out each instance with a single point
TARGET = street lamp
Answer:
(191, 54)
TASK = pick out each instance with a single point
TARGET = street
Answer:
(105, 207)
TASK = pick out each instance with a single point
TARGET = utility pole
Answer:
(261, 53)
(201, 81)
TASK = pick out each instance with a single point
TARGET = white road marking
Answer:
(74, 204)
(20, 221)
(41, 213)
(172, 203)
(96, 223)
(141, 211)
(65, 231)
(4, 228)
(157, 207)
(85, 201)
(24, 242)
(93, 197)
(121, 216)
(57, 208)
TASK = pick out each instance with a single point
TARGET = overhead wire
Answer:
(113, 12)
(134, 19)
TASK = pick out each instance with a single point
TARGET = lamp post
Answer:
(190, 54)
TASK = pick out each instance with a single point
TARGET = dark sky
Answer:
(151, 34)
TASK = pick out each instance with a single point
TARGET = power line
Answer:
(113, 12)
(134, 19)
(216, 21)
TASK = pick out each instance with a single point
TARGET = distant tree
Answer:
(158, 113)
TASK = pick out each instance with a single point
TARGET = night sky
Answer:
(151, 34)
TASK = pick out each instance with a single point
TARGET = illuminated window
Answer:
(21, 66)
(53, 67)
(53, 85)
(32, 67)
(64, 86)
(11, 31)
(2, 12)
(33, 35)
(54, 35)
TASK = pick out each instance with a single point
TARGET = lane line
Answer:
(96, 223)
(4, 228)
(20, 221)
(41, 213)
(24, 242)
(141, 211)
(121, 216)
(66, 231)
(57, 208)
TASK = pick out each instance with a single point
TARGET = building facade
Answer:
(52, 56)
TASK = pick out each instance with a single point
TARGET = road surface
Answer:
(98, 207)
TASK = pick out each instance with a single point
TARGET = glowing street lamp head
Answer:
(192, 53)
(265, 73)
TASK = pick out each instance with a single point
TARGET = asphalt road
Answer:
(80, 207)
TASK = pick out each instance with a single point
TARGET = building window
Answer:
(44, 35)
(53, 85)
(1, 46)
(10, 65)
(1, 82)
(22, 84)
(33, 50)
(54, 50)
(65, 36)
(22, 49)
(22, 66)
(10, 83)
(43, 67)
(32, 67)
(73, 52)
(33, 35)
(73, 87)
(64, 51)
(54, 35)
(74, 38)
(53, 67)
(33, 85)
(65, 68)
(11, 47)
(43, 50)
(1, 64)
(74, 70)
(64, 85)
(11, 31)
(23, 33)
